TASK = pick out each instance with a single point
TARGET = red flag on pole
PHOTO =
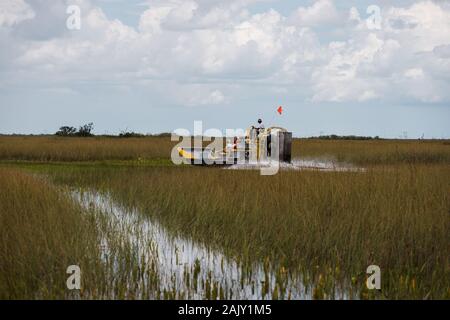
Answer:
(280, 109)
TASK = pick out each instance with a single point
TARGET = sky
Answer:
(372, 68)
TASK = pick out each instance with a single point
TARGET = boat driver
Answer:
(259, 127)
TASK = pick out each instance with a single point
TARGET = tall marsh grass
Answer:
(43, 231)
(41, 234)
(326, 225)
(52, 148)
(374, 152)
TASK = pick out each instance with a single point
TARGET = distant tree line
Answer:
(86, 131)
(132, 134)
(351, 137)
(83, 131)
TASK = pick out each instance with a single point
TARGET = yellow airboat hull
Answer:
(253, 141)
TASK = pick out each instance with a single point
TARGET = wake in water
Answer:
(300, 164)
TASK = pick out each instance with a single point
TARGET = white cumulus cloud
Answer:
(200, 49)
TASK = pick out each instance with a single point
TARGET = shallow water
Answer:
(188, 269)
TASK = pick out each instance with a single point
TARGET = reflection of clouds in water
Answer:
(179, 258)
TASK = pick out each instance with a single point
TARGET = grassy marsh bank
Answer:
(43, 231)
(40, 237)
(326, 226)
(371, 152)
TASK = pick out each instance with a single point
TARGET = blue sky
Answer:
(155, 66)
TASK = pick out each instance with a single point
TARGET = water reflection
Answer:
(184, 268)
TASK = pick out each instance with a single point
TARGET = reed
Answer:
(52, 148)
(325, 226)
(372, 152)
(329, 225)
(41, 234)
(43, 231)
